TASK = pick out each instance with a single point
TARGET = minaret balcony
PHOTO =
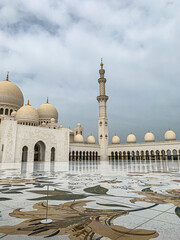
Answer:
(102, 98)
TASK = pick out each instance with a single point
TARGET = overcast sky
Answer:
(53, 48)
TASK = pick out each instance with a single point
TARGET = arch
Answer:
(116, 155)
(39, 151)
(175, 154)
(169, 154)
(96, 155)
(124, 155)
(128, 155)
(2, 111)
(112, 155)
(72, 155)
(147, 155)
(152, 155)
(84, 155)
(163, 155)
(11, 111)
(52, 154)
(137, 155)
(87, 155)
(80, 155)
(24, 154)
(93, 156)
(76, 155)
(133, 155)
(90, 155)
(157, 155)
(142, 155)
(120, 155)
(6, 111)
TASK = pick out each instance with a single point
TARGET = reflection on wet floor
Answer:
(116, 196)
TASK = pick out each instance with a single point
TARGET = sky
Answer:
(53, 48)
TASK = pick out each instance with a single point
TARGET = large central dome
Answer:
(10, 94)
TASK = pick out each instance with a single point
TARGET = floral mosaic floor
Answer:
(126, 200)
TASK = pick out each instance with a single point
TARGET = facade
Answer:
(28, 134)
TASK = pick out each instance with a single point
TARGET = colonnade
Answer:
(146, 155)
(83, 155)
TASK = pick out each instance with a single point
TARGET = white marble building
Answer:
(29, 134)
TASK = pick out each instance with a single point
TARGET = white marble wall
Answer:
(15, 136)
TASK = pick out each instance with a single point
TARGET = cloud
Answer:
(53, 48)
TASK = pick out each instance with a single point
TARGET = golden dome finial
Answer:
(28, 102)
(7, 78)
(101, 62)
(47, 100)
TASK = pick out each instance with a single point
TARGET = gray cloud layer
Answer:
(53, 48)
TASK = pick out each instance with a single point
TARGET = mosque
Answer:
(28, 134)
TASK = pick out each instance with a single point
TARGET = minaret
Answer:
(103, 121)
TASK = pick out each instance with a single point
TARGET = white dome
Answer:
(10, 94)
(78, 138)
(170, 136)
(47, 111)
(13, 114)
(52, 120)
(115, 140)
(78, 124)
(91, 139)
(27, 114)
(71, 131)
(43, 124)
(149, 137)
(131, 138)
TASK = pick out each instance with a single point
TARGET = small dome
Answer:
(71, 131)
(170, 136)
(115, 140)
(10, 94)
(78, 138)
(43, 124)
(78, 124)
(13, 114)
(91, 139)
(47, 111)
(61, 126)
(131, 138)
(27, 114)
(149, 137)
(52, 120)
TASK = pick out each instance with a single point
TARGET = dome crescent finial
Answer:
(47, 100)
(28, 102)
(101, 63)
(7, 78)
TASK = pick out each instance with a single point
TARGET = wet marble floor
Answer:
(119, 199)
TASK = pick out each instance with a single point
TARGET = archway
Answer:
(52, 154)
(24, 154)
(39, 151)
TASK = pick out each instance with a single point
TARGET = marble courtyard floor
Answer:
(119, 199)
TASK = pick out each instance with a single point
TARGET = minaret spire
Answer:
(103, 120)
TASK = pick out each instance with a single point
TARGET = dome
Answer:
(91, 139)
(27, 114)
(52, 120)
(131, 138)
(13, 114)
(43, 124)
(78, 138)
(71, 131)
(47, 111)
(115, 140)
(10, 94)
(170, 136)
(149, 137)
